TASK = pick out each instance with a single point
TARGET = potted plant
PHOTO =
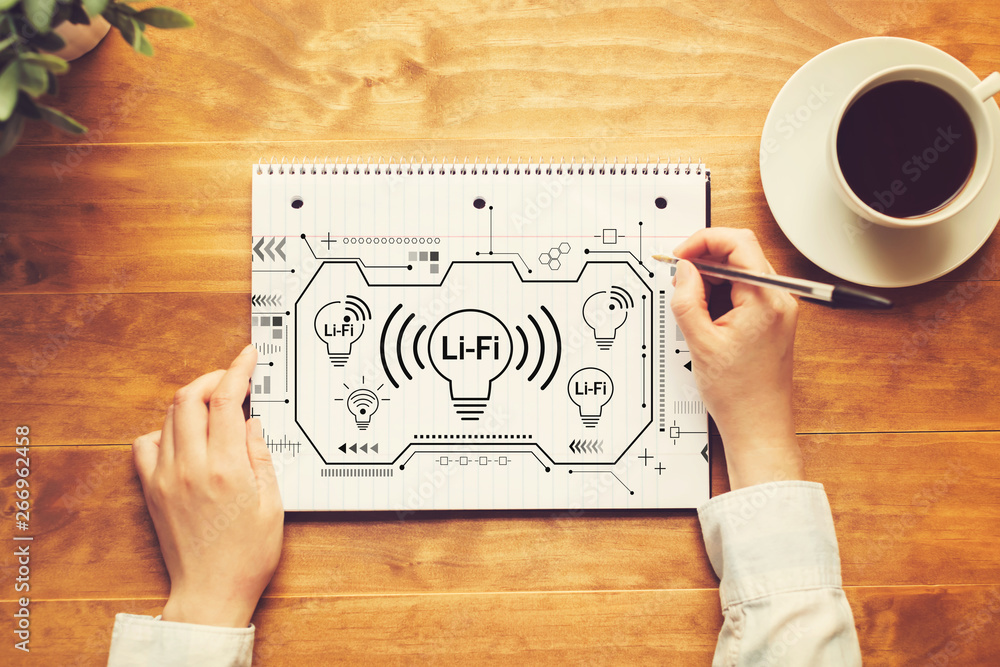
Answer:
(30, 37)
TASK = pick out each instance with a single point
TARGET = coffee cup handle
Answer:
(988, 87)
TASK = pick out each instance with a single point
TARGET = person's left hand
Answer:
(211, 491)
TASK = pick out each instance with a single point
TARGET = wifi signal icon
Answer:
(339, 324)
(605, 312)
(362, 403)
(357, 308)
(621, 297)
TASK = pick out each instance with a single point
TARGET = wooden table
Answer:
(125, 273)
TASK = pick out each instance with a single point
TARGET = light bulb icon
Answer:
(362, 403)
(590, 389)
(605, 312)
(470, 349)
(339, 324)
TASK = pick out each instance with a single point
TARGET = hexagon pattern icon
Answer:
(551, 258)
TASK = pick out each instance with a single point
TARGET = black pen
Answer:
(836, 296)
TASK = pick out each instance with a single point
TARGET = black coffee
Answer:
(906, 148)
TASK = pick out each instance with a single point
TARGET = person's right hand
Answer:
(742, 361)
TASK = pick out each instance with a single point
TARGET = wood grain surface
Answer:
(125, 273)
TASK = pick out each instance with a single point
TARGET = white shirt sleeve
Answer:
(774, 549)
(145, 641)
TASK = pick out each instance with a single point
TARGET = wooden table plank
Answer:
(909, 509)
(413, 69)
(168, 218)
(896, 626)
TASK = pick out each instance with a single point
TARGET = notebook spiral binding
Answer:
(410, 167)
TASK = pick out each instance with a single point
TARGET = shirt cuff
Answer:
(771, 538)
(145, 640)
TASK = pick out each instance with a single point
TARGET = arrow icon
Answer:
(343, 448)
(354, 448)
(257, 247)
(375, 448)
(364, 448)
(704, 452)
(688, 366)
(267, 248)
(278, 248)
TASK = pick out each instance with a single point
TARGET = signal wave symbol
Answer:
(362, 403)
(605, 312)
(339, 323)
(408, 344)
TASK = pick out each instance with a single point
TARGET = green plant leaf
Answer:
(11, 133)
(26, 106)
(165, 17)
(136, 35)
(123, 23)
(39, 13)
(145, 48)
(49, 41)
(34, 78)
(4, 43)
(95, 7)
(78, 15)
(8, 89)
(52, 63)
(61, 120)
(62, 14)
(7, 4)
(53, 88)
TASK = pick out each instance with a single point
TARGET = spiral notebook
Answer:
(475, 336)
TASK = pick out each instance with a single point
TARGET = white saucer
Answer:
(800, 192)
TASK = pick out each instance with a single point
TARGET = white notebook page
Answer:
(433, 339)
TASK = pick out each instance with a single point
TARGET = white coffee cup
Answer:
(972, 98)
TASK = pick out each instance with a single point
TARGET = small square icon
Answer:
(675, 431)
(423, 255)
(444, 460)
(254, 320)
(413, 256)
(463, 460)
(483, 460)
(265, 321)
(276, 334)
(434, 268)
(275, 321)
(610, 236)
(435, 256)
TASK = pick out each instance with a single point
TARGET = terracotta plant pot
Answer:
(81, 38)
